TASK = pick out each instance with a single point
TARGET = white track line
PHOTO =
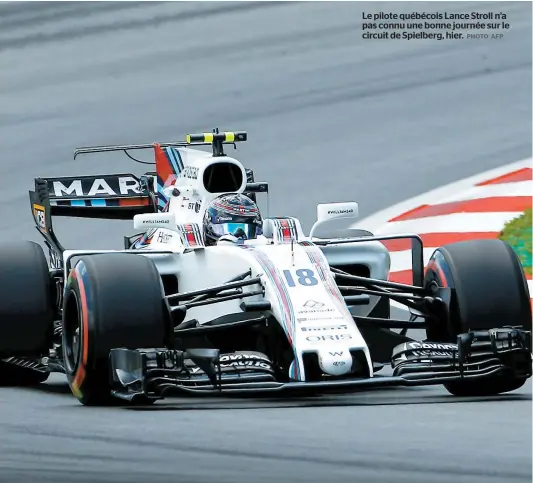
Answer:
(520, 188)
(376, 220)
(454, 223)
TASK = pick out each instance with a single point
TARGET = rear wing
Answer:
(115, 196)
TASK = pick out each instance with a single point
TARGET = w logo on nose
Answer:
(335, 354)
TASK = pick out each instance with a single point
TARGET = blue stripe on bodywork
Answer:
(175, 160)
(98, 203)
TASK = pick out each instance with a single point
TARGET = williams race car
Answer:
(278, 312)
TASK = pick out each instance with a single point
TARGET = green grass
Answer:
(517, 233)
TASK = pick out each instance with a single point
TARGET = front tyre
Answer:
(490, 291)
(112, 300)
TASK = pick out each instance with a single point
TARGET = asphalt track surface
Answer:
(330, 118)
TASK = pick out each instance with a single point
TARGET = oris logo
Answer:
(328, 338)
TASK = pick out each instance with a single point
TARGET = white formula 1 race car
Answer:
(284, 312)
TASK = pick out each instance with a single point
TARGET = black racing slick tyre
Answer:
(112, 300)
(26, 311)
(490, 291)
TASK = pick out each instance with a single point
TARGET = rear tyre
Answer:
(26, 310)
(490, 291)
(112, 300)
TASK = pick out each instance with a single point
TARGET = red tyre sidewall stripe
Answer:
(433, 265)
(81, 370)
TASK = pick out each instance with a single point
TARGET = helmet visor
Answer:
(239, 230)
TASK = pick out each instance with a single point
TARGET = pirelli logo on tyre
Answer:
(40, 218)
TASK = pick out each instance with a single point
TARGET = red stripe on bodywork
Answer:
(524, 174)
(495, 204)
(286, 232)
(133, 201)
(162, 164)
(189, 234)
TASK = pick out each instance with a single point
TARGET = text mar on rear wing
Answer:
(115, 196)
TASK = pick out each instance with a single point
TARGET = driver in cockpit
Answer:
(233, 216)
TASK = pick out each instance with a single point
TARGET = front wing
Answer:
(157, 373)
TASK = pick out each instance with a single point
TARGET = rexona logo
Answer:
(328, 338)
(430, 349)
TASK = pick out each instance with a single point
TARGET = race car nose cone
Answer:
(335, 362)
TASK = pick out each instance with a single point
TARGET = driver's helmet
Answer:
(231, 214)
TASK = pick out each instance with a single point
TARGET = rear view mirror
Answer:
(330, 211)
(326, 212)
